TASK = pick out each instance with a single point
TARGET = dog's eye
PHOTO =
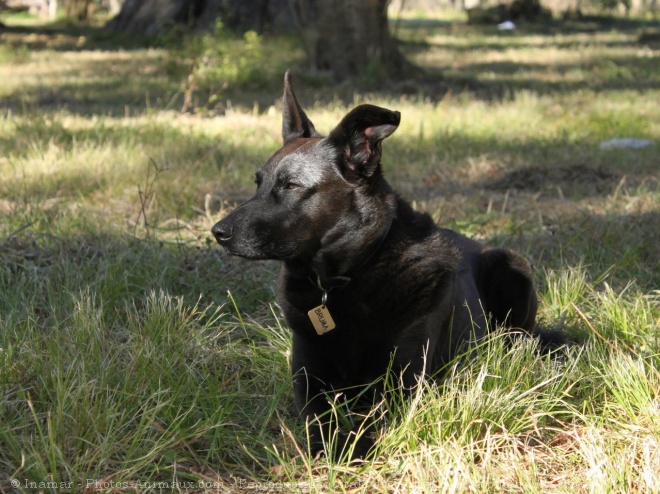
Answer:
(291, 186)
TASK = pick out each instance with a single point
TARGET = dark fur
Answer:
(401, 290)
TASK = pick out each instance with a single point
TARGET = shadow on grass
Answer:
(65, 36)
(620, 248)
(140, 83)
(505, 79)
(109, 75)
(587, 24)
(121, 268)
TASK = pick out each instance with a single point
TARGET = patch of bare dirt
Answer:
(568, 179)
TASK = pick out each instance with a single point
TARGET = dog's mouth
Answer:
(252, 256)
(245, 249)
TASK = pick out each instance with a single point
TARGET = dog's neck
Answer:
(340, 258)
(336, 270)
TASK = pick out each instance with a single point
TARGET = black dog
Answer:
(368, 284)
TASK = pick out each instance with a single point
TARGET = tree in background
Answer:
(349, 37)
(344, 37)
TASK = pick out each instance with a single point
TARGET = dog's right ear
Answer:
(359, 136)
(295, 123)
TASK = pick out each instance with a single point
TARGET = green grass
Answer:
(134, 354)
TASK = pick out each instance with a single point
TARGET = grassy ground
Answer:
(136, 356)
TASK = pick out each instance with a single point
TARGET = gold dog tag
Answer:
(321, 319)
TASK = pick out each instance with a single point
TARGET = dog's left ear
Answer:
(295, 123)
(359, 136)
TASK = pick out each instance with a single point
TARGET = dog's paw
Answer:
(344, 446)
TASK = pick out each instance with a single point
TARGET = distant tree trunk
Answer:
(152, 16)
(349, 37)
(77, 9)
(155, 16)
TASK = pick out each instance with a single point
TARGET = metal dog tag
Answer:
(321, 319)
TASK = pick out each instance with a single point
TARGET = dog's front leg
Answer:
(313, 403)
(310, 372)
(320, 409)
(320, 402)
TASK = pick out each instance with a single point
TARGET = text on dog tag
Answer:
(321, 319)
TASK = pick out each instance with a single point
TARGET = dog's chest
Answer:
(362, 321)
(355, 352)
(363, 312)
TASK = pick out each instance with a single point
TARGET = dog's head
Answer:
(315, 191)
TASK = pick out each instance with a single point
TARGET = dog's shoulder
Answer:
(417, 255)
(424, 240)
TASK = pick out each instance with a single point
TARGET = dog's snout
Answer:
(222, 232)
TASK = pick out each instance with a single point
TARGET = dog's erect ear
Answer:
(359, 136)
(294, 121)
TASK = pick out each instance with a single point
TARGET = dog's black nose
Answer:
(222, 232)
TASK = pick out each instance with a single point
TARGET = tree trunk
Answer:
(151, 17)
(349, 38)
(156, 16)
(77, 9)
